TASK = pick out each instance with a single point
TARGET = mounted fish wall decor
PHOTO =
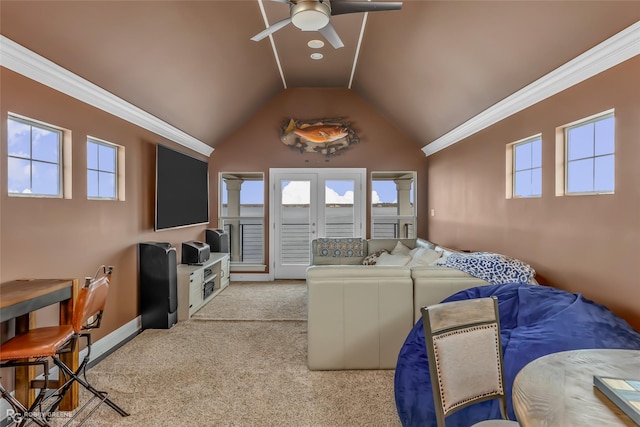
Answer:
(324, 136)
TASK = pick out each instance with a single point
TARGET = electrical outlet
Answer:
(433, 212)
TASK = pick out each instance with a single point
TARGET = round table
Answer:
(557, 389)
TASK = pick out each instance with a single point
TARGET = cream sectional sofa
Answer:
(360, 315)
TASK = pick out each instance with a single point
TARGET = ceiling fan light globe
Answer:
(310, 20)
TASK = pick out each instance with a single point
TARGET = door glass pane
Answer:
(339, 209)
(295, 236)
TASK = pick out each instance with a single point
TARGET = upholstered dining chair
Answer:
(39, 344)
(465, 357)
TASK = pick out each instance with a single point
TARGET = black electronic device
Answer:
(195, 252)
(158, 285)
(218, 240)
(182, 189)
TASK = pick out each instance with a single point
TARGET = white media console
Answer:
(198, 284)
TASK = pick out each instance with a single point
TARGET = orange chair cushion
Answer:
(38, 342)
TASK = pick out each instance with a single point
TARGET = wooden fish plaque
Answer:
(324, 136)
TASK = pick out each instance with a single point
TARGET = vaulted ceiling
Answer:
(428, 67)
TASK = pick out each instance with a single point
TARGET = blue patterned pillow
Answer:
(494, 268)
(349, 247)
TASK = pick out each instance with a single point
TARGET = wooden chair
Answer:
(38, 344)
(465, 357)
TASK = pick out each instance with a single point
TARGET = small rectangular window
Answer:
(524, 166)
(102, 170)
(590, 155)
(34, 158)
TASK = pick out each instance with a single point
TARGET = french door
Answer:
(309, 203)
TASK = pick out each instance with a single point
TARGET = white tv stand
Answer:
(199, 284)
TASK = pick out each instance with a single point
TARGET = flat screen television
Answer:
(182, 189)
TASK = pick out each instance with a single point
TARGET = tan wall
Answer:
(51, 238)
(256, 147)
(71, 238)
(587, 244)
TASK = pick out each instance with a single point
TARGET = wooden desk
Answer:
(557, 389)
(19, 300)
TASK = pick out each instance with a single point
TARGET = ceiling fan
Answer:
(314, 15)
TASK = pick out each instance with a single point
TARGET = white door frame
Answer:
(360, 200)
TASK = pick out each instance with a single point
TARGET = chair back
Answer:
(92, 298)
(465, 354)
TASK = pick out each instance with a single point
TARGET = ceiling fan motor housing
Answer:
(310, 15)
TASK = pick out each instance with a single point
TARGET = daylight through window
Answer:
(393, 212)
(527, 167)
(590, 148)
(34, 164)
(242, 216)
(102, 170)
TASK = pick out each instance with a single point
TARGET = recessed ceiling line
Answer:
(355, 58)
(273, 44)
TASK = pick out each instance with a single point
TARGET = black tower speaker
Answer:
(158, 285)
(218, 240)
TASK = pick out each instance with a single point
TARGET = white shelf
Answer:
(192, 280)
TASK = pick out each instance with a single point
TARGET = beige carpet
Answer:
(237, 373)
(264, 301)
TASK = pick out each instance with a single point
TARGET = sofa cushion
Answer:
(330, 260)
(401, 249)
(389, 244)
(390, 259)
(423, 256)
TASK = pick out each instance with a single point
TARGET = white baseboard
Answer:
(98, 348)
(112, 340)
(265, 277)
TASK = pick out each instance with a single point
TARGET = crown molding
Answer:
(619, 48)
(16, 57)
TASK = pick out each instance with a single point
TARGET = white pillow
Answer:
(401, 249)
(425, 256)
(443, 259)
(389, 259)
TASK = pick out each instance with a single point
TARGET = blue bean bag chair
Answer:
(534, 321)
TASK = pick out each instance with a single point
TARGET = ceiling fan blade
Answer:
(342, 7)
(272, 29)
(331, 35)
(284, 1)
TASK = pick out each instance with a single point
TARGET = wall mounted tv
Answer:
(182, 189)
